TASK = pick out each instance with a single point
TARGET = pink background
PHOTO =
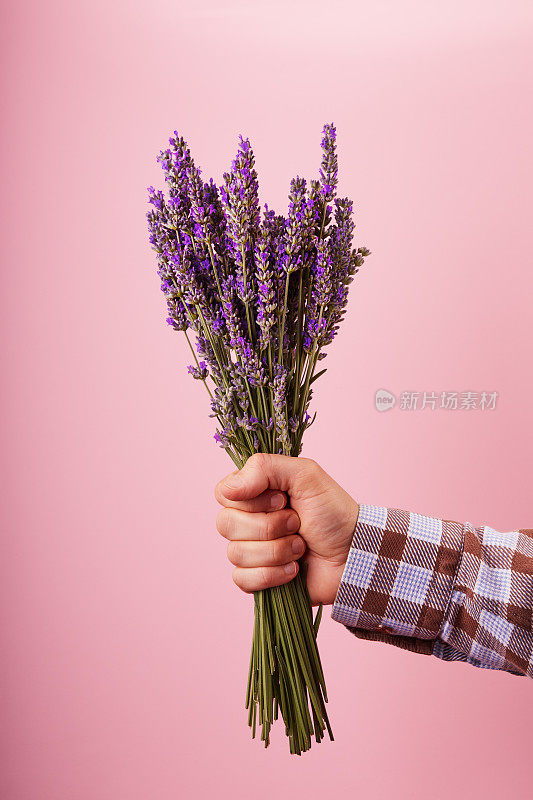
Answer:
(124, 642)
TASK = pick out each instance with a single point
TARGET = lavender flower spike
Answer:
(266, 295)
(329, 168)
(240, 199)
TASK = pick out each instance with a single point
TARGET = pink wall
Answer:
(124, 641)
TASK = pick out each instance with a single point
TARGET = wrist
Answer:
(338, 570)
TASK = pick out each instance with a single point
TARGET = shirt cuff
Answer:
(399, 576)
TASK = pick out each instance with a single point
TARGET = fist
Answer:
(277, 510)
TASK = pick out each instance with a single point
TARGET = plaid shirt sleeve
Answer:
(439, 587)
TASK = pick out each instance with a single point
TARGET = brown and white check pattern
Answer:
(440, 587)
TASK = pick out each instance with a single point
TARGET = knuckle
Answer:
(219, 493)
(259, 462)
(311, 465)
(222, 523)
(264, 577)
(235, 554)
(278, 552)
(272, 526)
(268, 528)
(237, 579)
(257, 459)
(311, 471)
(272, 552)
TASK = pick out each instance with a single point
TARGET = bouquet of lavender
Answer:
(264, 295)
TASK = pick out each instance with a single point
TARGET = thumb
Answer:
(262, 471)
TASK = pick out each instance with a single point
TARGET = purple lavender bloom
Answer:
(329, 167)
(217, 222)
(227, 274)
(223, 438)
(249, 365)
(205, 209)
(341, 244)
(322, 273)
(231, 315)
(178, 316)
(200, 372)
(279, 386)
(205, 351)
(296, 225)
(175, 162)
(266, 291)
(240, 393)
(248, 422)
(240, 202)
(219, 326)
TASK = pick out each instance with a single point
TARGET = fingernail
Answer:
(290, 569)
(277, 501)
(234, 481)
(293, 523)
(298, 547)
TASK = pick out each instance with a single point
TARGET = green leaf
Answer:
(313, 379)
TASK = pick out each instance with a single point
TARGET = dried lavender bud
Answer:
(205, 350)
(178, 317)
(248, 422)
(206, 214)
(200, 373)
(240, 393)
(323, 275)
(232, 318)
(175, 162)
(341, 243)
(240, 202)
(266, 292)
(223, 438)
(329, 166)
(279, 386)
(250, 366)
(296, 226)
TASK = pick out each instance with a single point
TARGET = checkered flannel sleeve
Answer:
(439, 587)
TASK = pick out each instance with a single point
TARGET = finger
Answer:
(268, 500)
(234, 524)
(266, 554)
(262, 471)
(254, 579)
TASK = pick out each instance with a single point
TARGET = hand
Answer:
(266, 538)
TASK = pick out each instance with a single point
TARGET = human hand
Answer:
(266, 538)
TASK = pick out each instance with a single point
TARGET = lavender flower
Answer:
(200, 372)
(296, 226)
(266, 292)
(240, 198)
(279, 400)
(238, 281)
(329, 168)
(178, 317)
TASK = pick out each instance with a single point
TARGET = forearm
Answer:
(440, 587)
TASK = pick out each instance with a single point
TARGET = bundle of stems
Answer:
(264, 295)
